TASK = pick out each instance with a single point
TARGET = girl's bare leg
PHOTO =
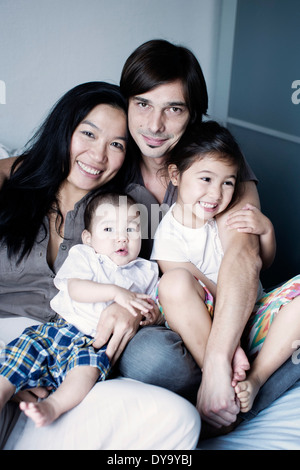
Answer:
(71, 392)
(276, 349)
(182, 299)
(6, 391)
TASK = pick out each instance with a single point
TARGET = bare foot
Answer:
(240, 365)
(42, 413)
(246, 392)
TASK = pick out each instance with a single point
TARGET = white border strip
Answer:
(264, 130)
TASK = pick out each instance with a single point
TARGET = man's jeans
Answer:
(157, 355)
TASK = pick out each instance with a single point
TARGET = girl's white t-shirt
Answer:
(200, 246)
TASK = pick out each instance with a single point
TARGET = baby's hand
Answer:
(154, 316)
(133, 301)
(249, 220)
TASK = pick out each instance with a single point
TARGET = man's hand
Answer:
(116, 327)
(216, 401)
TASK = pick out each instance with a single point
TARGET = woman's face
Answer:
(98, 147)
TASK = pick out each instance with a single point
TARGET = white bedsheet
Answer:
(275, 428)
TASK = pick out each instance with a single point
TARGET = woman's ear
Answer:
(86, 237)
(173, 174)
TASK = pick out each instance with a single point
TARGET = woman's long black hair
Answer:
(30, 192)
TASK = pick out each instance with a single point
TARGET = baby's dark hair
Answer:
(115, 199)
(210, 139)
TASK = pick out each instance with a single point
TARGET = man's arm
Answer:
(236, 294)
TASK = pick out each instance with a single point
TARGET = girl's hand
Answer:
(250, 220)
(154, 316)
(133, 301)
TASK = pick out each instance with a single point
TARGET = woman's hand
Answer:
(116, 327)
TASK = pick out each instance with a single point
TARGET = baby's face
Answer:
(116, 232)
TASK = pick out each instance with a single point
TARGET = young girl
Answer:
(206, 170)
(104, 269)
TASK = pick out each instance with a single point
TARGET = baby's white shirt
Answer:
(140, 275)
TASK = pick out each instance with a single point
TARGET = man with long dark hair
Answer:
(166, 94)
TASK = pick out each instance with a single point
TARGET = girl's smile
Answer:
(204, 190)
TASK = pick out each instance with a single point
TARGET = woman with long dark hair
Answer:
(80, 147)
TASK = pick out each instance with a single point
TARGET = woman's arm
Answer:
(5, 167)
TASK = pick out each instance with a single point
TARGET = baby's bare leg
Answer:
(75, 387)
(284, 330)
(182, 299)
(7, 390)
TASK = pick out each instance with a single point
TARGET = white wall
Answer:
(49, 46)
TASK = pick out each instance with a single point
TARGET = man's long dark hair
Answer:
(31, 190)
(157, 62)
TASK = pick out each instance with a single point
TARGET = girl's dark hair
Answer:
(209, 139)
(31, 191)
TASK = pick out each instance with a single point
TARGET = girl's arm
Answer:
(168, 265)
(251, 220)
(85, 290)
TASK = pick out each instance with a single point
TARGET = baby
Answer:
(104, 269)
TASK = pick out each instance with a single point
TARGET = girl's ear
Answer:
(86, 237)
(173, 174)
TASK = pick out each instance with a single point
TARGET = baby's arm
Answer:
(84, 290)
(251, 220)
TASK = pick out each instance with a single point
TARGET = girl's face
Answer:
(98, 147)
(205, 189)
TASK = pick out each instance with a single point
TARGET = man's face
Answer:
(158, 118)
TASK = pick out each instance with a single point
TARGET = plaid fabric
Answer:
(43, 355)
(264, 313)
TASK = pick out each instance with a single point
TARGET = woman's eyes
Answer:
(118, 145)
(88, 134)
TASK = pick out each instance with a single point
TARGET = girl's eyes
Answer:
(226, 183)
